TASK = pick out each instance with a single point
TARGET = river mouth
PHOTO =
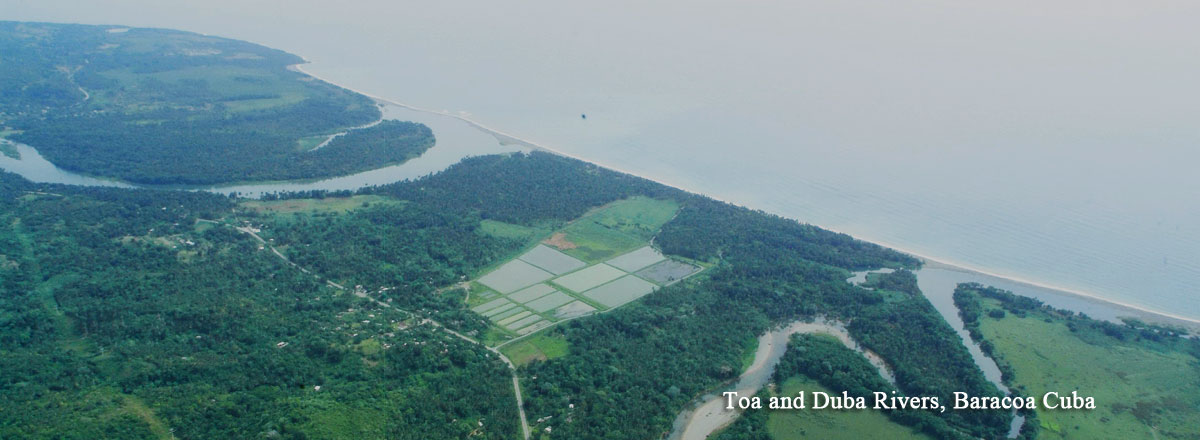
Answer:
(938, 287)
(455, 140)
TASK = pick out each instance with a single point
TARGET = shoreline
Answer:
(927, 261)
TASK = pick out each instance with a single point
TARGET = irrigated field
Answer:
(621, 291)
(637, 259)
(587, 266)
(551, 260)
(514, 275)
(667, 272)
(585, 279)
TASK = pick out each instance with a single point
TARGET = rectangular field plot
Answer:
(534, 327)
(621, 291)
(667, 272)
(549, 302)
(554, 261)
(585, 279)
(523, 322)
(511, 319)
(531, 293)
(577, 308)
(514, 275)
(488, 306)
(638, 259)
(499, 310)
(507, 313)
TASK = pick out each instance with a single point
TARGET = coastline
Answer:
(1139, 312)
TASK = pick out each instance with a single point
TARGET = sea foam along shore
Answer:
(1139, 312)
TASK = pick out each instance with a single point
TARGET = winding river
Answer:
(456, 140)
(708, 413)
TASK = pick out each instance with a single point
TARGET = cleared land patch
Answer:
(538, 347)
(514, 275)
(312, 206)
(585, 279)
(637, 259)
(667, 272)
(551, 260)
(508, 230)
(559, 241)
(621, 291)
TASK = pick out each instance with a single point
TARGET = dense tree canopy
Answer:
(124, 316)
(168, 107)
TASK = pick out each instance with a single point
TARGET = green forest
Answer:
(157, 106)
(127, 315)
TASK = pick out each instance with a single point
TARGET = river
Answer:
(455, 140)
(708, 414)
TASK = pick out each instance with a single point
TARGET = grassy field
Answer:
(312, 206)
(617, 228)
(239, 89)
(331, 419)
(824, 424)
(476, 297)
(537, 347)
(508, 230)
(1141, 391)
(309, 142)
